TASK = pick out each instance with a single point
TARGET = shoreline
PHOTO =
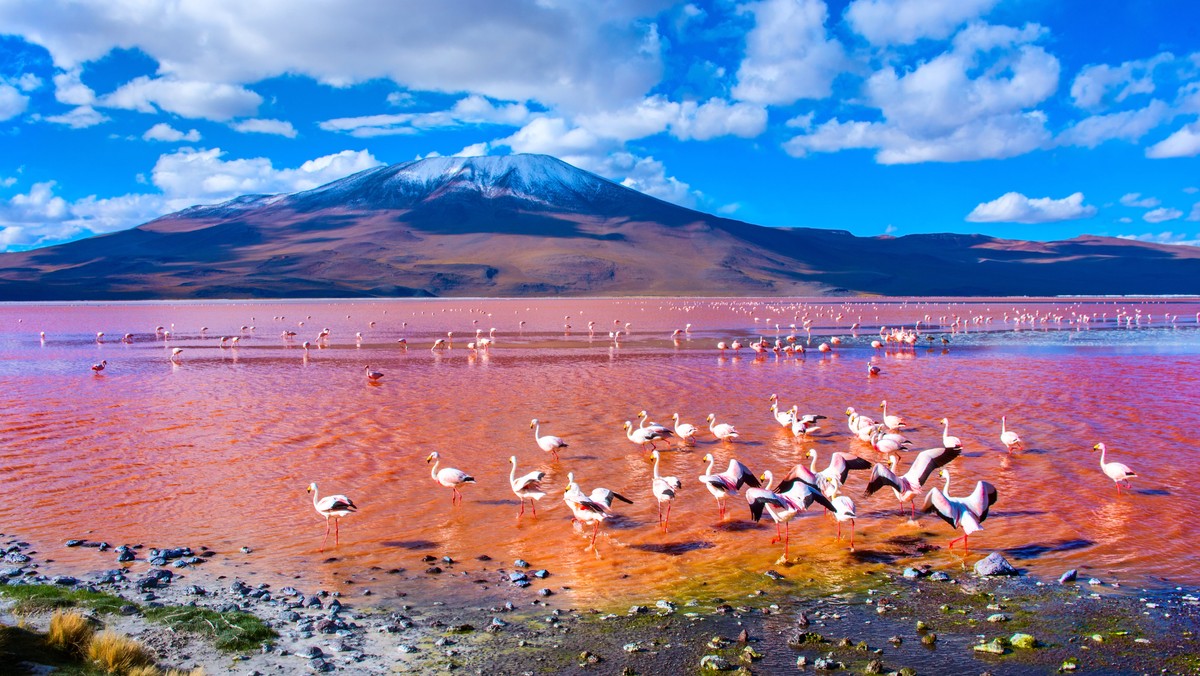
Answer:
(878, 621)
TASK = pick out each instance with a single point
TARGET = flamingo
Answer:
(1008, 437)
(728, 482)
(526, 487)
(685, 431)
(857, 422)
(844, 511)
(784, 418)
(592, 508)
(724, 431)
(335, 506)
(175, 353)
(947, 440)
(830, 479)
(97, 368)
(886, 442)
(645, 423)
(641, 435)
(1116, 471)
(664, 488)
(967, 512)
(548, 443)
(908, 486)
(791, 497)
(373, 376)
(893, 422)
(449, 477)
(873, 369)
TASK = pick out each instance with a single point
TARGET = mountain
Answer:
(533, 225)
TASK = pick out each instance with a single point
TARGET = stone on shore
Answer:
(994, 564)
(1023, 641)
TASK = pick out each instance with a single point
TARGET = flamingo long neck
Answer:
(512, 473)
(314, 492)
(945, 427)
(1103, 449)
(656, 458)
(1002, 427)
(433, 471)
(812, 466)
(768, 479)
(946, 490)
(712, 422)
(885, 410)
(537, 431)
(711, 461)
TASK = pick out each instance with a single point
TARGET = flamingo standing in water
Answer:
(592, 508)
(335, 506)
(641, 435)
(449, 477)
(908, 485)
(526, 487)
(665, 489)
(947, 440)
(967, 512)
(685, 431)
(548, 443)
(791, 497)
(728, 482)
(844, 511)
(1116, 471)
(97, 368)
(724, 431)
(373, 376)
(1008, 437)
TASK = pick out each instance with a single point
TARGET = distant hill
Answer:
(525, 225)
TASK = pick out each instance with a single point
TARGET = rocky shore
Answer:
(903, 621)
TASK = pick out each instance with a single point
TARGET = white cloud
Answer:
(1195, 215)
(185, 177)
(8, 181)
(188, 176)
(687, 120)
(789, 55)
(265, 126)
(473, 150)
(1182, 143)
(28, 82)
(647, 175)
(1162, 215)
(577, 55)
(12, 102)
(69, 89)
(1135, 199)
(188, 98)
(903, 22)
(1013, 207)
(1128, 125)
(1167, 237)
(729, 209)
(469, 110)
(1102, 85)
(79, 117)
(969, 103)
(1124, 219)
(165, 132)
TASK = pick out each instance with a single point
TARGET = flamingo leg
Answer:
(336, 528)
(532, 505)
(522, 512)
(851, 534)
(326, 540)
(787, 537)
(668, 519)
(595, 531)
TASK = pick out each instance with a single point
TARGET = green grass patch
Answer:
(234, 631)
(46, 597)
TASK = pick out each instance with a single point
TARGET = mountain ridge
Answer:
(533, 225)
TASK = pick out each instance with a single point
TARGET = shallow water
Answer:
(218, 448)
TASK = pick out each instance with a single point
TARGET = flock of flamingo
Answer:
(796, 491)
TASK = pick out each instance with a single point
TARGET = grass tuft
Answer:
(33, 598)
(114, 653)
(233, 631)
(70, 632)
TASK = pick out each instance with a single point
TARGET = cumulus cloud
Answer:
(165, 132)
(577, 55)
(184, 178)
(1013, 207)
(266, 126)
(1183, 143)
(789, 54)
(69, 89)
(1195, 215)
(686, 120)
(1102, 85)
(1162, 215)
(189, 176)
(27, 82)
(472, 109)
(12, 102)
(903, 22)
(473, 150)
(1128, 125)
(968, 103)
(188, 98)
(1166, 237)
(1135, 199)
(79, 117)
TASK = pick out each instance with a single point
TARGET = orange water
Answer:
(218, 448)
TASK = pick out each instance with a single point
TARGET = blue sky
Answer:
(1030, 119)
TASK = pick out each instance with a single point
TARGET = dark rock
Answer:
(545, 592)
(313, 602)
(774, 575)
(428, 558)
(196, 590)
(521, 563)
(433, 570)
(517, 576)
(125, 554)
(289, 591)
(911, 573)
(311, 652)
(16, 557)
(74, 543)
(588, 657)
(447, 560)
(994, 564)
(1068, 576)
(320, 665)
(290, 616)
(12, 572)
(160, 574)
(65, 580)
(939, 576)
(873, 667)
(158, 561)
(238, 587)
(405, 648)
(541, 574)
(462, 628)
(483, 557)
(129, 610)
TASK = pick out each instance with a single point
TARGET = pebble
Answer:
(74, 543)
(1068, 576)
(774, 575)
(911, 573)
(521, 563)
(665, 605)
(939, 576)
(407, 649)
(995, 646)
(65, 580)
(714, 663)
(1023, 641)
(998, 617)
